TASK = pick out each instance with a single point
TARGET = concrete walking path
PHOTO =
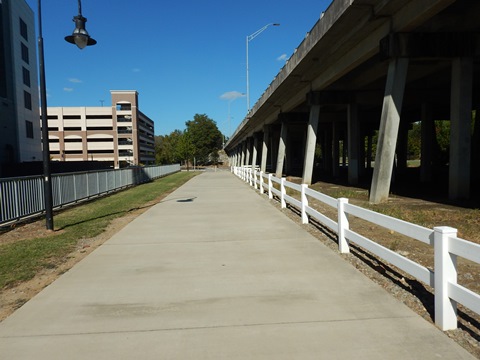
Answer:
(216, 272)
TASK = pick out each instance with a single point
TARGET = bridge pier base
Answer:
(282, 147)
(388, 133)
(266, 139)
(311, 143)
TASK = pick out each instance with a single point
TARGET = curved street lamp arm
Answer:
(259, 31)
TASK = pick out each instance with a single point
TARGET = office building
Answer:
(20, 136)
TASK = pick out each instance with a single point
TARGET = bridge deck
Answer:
(216, 272)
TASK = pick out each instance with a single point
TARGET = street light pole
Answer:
(81, 38)
(47, 176)
(250, 38)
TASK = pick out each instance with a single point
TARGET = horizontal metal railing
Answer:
(22, 197)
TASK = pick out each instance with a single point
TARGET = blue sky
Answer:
(183, 57)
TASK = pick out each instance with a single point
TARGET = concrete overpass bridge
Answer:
(371, 65)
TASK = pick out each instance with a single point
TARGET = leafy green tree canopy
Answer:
(205, 138)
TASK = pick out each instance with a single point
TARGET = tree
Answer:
(205, 138)
(166, 148)
(185, 148)
(415, 141)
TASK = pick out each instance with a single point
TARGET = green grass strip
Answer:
(20, 261)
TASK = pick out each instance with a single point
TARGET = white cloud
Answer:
(231, 95)
(67, 89)
(75, 81)
(282, 57)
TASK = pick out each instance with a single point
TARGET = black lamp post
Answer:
(81, 38)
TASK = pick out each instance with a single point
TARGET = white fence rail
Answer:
(447, 246)
(23, 197)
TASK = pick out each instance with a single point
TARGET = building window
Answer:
(23, 29)
(27, 98)
(121, 107)
(99, 117)
(29, 128)
(25, 56)
(26, 77)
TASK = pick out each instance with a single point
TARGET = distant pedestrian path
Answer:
(215, 272)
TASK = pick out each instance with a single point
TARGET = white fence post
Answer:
(282, 193)
(255, 179)
(343, 225)
(304, 200)
(261, 182)
(270, 194)
(445, 273)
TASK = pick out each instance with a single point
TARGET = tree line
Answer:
(199, 143)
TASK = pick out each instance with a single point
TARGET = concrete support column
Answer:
(353, 129)
(388, 133)
(311, 144)
(244, 151)
(460, 124)
(248, 152)
(265, 143)
(427, 137)
(282, 147)
(237, 156)
(255, 150)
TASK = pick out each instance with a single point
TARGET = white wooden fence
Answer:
(447, 246)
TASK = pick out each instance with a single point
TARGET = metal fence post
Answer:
(16, 199)
(445, 273)
(343, 225)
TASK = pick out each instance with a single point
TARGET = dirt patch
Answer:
(416, 295)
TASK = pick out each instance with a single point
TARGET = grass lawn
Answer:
(21, 260)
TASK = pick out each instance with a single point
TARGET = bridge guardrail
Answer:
(446, 245)
(22, 197)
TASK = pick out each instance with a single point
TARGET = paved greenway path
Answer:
(216, 272)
